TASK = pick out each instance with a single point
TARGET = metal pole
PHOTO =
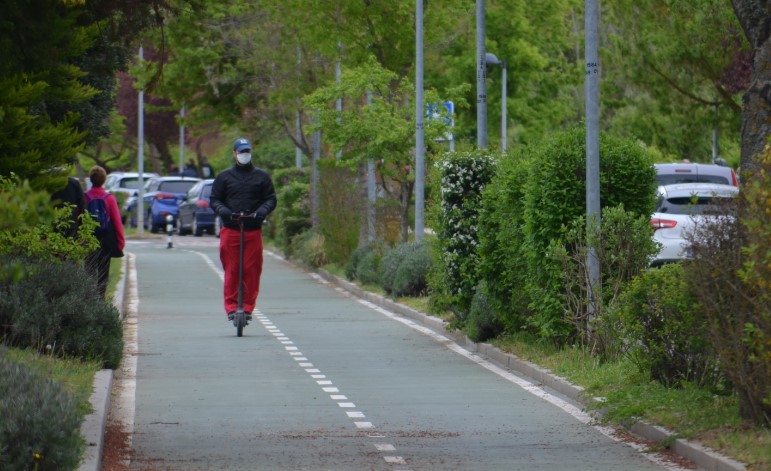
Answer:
(298, 152)
(504, 102)
(339, 102)
(315, 221)
(592, 149)
(481, 77)
(182, 140)
(371, 189)
(420, 145)
(141, 154)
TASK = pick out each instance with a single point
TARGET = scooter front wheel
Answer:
(240, 322)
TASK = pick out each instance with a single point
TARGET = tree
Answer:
(57, 79)
(673, 73)
(755, 19)
(382, 130)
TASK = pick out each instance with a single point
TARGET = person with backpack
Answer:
(243, 188)
(104, 210)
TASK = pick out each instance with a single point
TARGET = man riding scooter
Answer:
(243, 189)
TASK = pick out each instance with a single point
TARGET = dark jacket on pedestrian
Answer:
(243, 188)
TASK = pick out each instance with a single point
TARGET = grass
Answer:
(687, 411)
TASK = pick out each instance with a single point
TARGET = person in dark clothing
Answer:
(112, 243)
(190, 170)
(242, 188)
(72, 193)
(207, 171)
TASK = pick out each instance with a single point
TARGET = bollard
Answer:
(169, 231)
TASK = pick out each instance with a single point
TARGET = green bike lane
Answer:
(322, 381)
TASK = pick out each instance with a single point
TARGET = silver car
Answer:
(679, 208)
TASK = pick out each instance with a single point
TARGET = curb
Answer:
(702, 456)
(93, 427)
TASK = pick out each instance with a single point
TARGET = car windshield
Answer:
(177, 187)
(693, 205)
(206, 192)
(670, 179)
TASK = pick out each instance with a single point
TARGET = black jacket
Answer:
(243, 188)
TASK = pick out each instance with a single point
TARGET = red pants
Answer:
(229, 252)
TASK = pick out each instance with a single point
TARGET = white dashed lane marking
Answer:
(328, 387)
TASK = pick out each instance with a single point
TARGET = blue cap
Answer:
(241, 145)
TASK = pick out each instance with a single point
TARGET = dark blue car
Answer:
(195, 213)
(161, 199)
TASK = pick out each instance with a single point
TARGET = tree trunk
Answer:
(755, 18)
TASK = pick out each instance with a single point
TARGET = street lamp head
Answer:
(492, 59)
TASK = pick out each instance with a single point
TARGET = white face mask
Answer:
(244, 158)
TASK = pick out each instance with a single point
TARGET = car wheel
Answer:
(197, 231)
(180, 230)
(153, 226)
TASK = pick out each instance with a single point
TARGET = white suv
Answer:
(679, 208)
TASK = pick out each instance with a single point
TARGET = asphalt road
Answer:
(322, 381)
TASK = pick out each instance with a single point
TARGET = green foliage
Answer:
(339, 210)
(40, 426)
(676, 72)
(404, 269)
(292, 216)
(364, 264)
(462, 177)
(555, 195)
(502, 255)
(55, 308)
(623, 247)
(30, 225)
(729, 275)
(482, 323)
(664, 331)
(308, 248)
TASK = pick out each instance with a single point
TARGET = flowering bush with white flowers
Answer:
(462, 176)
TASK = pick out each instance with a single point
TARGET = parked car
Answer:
(686, 172)
(125, 181)
(161, 199)
(679, 208)
(195, 213)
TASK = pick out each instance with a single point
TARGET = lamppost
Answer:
(491, 59)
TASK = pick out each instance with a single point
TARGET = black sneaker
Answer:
(231, 316)
(248, 317)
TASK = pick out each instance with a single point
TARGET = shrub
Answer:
(55, 308)
(462, 177)
(502, 257)
(404, 269)
(40, 428)
(555, 195)
(664, 330)
(623, 247)
(729, 275)
(364, 264)
(308, 247)
(482, 322)
(339, 210)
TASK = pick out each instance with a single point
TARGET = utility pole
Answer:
(371, 190)
(141, 154)
(481, 77)
(182, 140)
(592, 151)
(420, 112)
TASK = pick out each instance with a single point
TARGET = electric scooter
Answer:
(240, 319)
